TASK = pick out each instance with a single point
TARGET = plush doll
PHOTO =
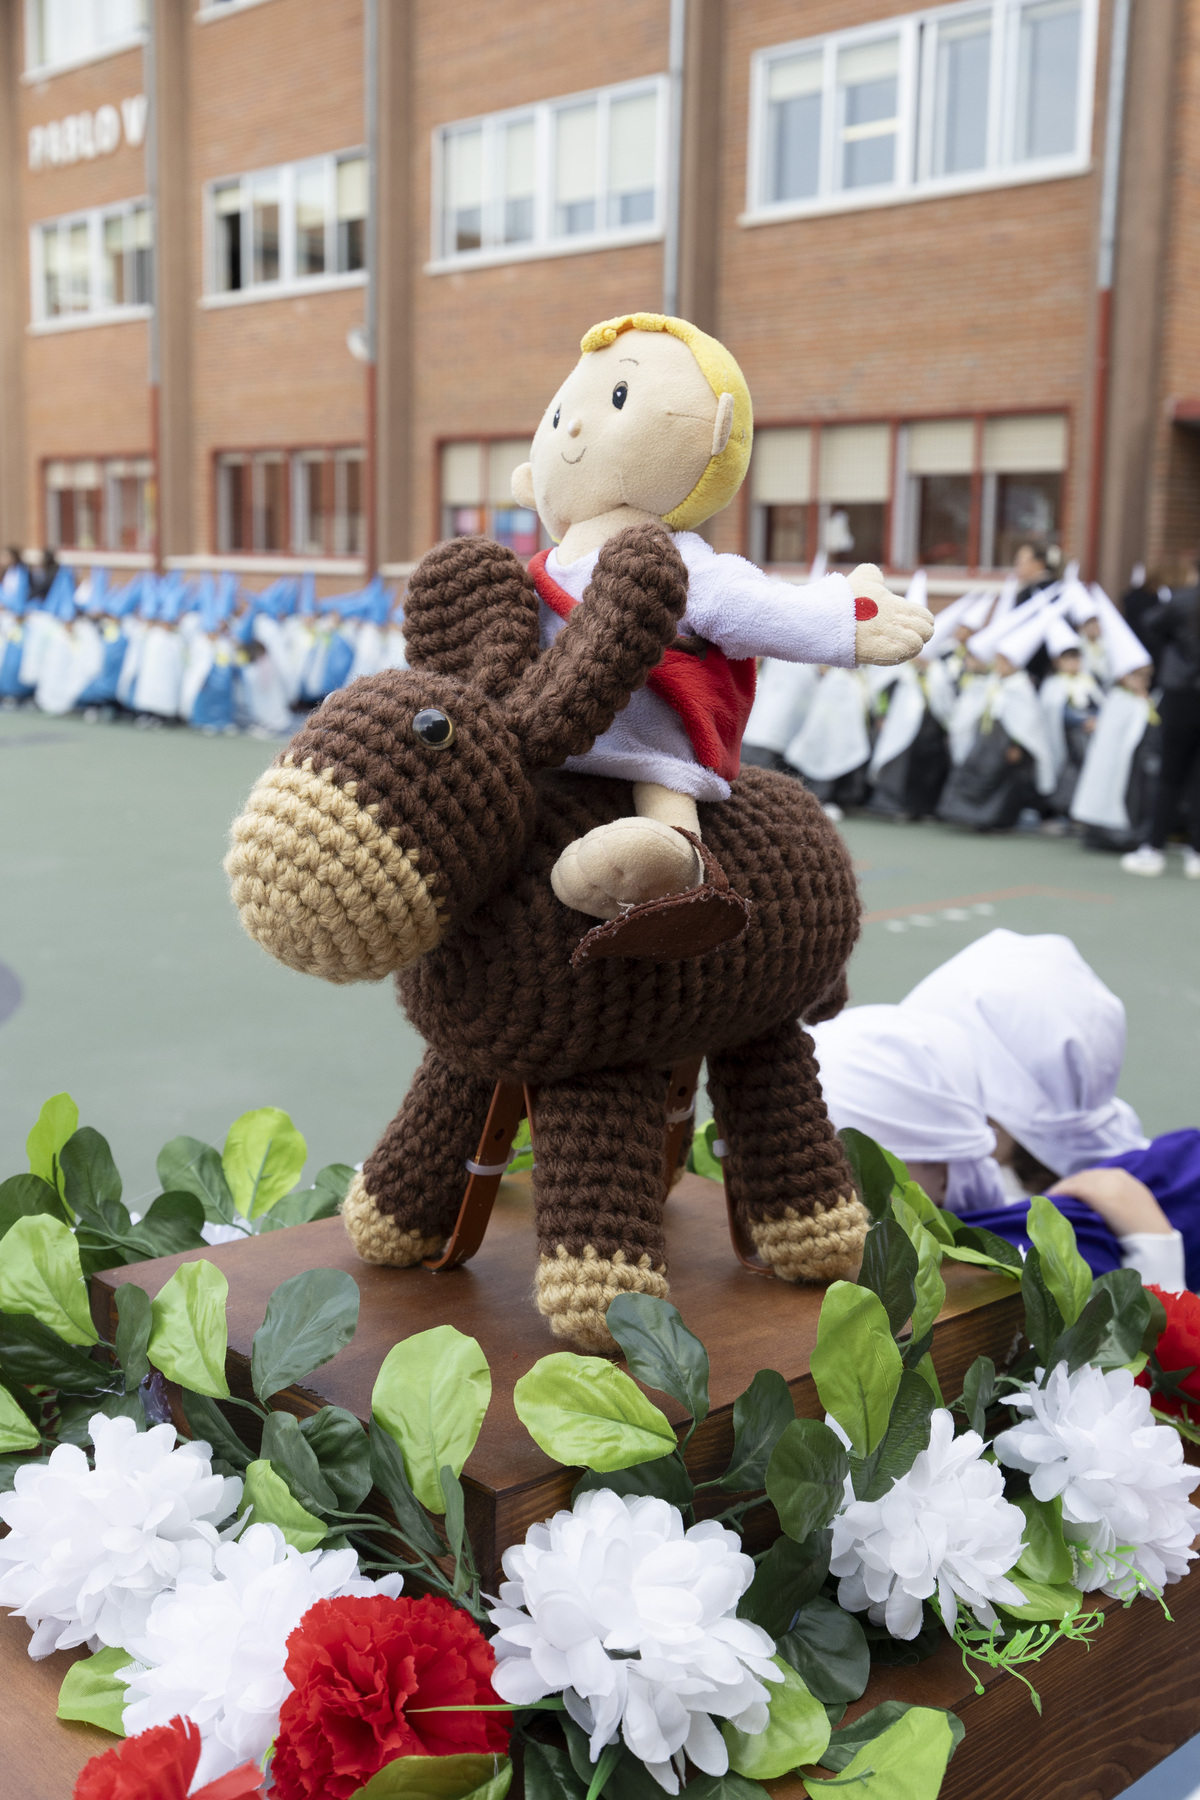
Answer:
(413, 826)
(655, 423)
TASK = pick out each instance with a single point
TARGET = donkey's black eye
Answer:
(434, 729)
(557, 417)
(620, 394)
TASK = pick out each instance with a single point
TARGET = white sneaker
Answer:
(1144, 861)
(833, 812)
(1191, 864)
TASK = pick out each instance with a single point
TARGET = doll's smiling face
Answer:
(631, 426)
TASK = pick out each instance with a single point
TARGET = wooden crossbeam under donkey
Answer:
(411, 827)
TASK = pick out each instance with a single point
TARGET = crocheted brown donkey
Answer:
(411, 826)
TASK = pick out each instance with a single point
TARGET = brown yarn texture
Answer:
(482, 823)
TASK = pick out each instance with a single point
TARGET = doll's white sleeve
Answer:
(746, 613)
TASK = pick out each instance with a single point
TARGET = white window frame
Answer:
(545, 242)
(289, 283)
(38, 71)
(42, 322)
(915, 102)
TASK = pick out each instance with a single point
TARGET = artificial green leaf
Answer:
(580, 1409)
(189, 1336)
(1064, 1271)
(309, 1319)
(292, 1456)
(187, 1166)
(905, 1762)
(828, 1650)
(761, 1415)
(629, 1780)
(75, 1416)
(979, 1390)
(925, 1369)
(855, 1363)
(454, 1519)
(1080, 1341)
(306, 1205)
(974, 1237)
(173, 1223)
(702, 1159)
(209, 1423)
(1043, 1599)
(24, 1196)
(92, 1693)
(938, 1223)
(388, 1475)
(665, 1478)
(549, 1774)
(134, 1318)
(16, 1430)
(844, 1745)
(269, 1500)
(1044, 1556)
(1043, 1320)
(32, 1405)
(965, 1253)
(1138, 1320)
(873, 1175)
(797, 1731)
(660, 1350)
(440, 1778)
(729, 1786)
(91, 1184)
(806, 1477)
(906, 1436)
(431, 1394)
(36, 1357)
(40, 1274)
(931, 1289)
(263, 1158)
(343, 1452)
(889, 1269)
(56, 1122)
(788, 1577)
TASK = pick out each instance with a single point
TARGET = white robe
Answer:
(160, 672)
(782, 697)
(72, 658)
(833, 741)
(1104, 778)
(902, 720)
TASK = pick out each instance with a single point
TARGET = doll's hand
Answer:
(888, 628)
(624, 864)
(1124, 1203)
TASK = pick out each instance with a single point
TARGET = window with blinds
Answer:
(93, 267)
(565, 174)
(476, 493)
(308, 502)
(298, 225)
(95, 503)
(968, 95)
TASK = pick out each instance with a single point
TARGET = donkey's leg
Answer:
(403, 1205)
(598, 1193)
(788, 1179)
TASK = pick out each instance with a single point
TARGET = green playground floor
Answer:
(126, 979)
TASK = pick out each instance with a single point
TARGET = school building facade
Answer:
(287, 283)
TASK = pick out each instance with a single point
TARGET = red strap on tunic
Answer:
(711, 693)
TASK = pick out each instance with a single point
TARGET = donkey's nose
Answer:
(574, 427)
(320, 884)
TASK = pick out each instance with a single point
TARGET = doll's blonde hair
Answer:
(724, 474)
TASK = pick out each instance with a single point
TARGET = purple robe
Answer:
(1170, 1168)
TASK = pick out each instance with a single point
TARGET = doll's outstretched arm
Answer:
(839, 621)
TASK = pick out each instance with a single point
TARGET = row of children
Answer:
(203, 651)
(1030, 704)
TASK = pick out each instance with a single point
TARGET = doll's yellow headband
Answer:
(725, 473)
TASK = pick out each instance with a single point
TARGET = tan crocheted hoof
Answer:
(378, 1238)
(573, 1292)
(826, 1245)
(320, 884)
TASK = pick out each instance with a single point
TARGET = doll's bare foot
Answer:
(624, 864)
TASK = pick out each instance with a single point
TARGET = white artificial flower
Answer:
(633, 1620)
(945, 1527)
(1124, 1484)
(88, 1549)
(215, 1648)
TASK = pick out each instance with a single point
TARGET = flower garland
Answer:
(257, 1628)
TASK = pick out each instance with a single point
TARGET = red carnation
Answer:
(1178, 1348)
(363, 1673)
(158, 1765)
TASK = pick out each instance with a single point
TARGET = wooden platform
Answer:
(747, 1322)
(1110, 1713)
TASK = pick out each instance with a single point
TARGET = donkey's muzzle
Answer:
(322, 885)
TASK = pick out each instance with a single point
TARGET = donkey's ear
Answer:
(605, 650)
(472, 611)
